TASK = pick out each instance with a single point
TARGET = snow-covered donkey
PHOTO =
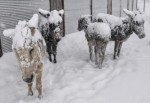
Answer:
(97, 35)
(51, 30)
(28, 45)
(133, 22)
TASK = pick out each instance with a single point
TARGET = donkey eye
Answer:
(59, 23)
(48, 15)
(137, 23)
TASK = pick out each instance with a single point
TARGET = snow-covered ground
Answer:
(74, 79)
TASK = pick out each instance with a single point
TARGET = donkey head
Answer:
(137, 22)
(83, 22)
(54, 19)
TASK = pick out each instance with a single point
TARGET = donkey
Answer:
(28, 45)
(97, 35)
(133, 22)
(52, 31)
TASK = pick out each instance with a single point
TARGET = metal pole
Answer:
(132, 5)
(91, 8)
(120, 8)
(128, 4)
(1, 53)
(144, 6)
(50, 5)
(109, 6)
(136, 4)
(63, 7)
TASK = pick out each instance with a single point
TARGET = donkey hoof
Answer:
(50, 59)
(40, 96)
(30, 93)
(100, 67)
(55, 61)
(115, 57)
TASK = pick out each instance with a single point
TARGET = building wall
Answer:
(73, 10)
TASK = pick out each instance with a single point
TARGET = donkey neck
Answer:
(128, 26)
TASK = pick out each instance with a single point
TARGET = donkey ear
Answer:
(86, 16)
(33, 22)
(44, 13)
(61, 12)
(9, 33)
(129, 13)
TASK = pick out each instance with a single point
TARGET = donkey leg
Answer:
(90, 50)
(49, 50)
(54, 53)
(38, 80)
(96, 55)
(100, 59)
(119, 48)
(30, 92)
(116, 49)
(103, 51)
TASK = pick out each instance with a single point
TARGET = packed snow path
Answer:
(74, 79)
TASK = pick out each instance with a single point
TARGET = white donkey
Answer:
(97, 35)
(28, 45)
(133, 22)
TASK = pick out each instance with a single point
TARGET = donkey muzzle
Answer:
(142, 36)
(28, 80)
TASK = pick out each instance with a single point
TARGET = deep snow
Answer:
(76, 80)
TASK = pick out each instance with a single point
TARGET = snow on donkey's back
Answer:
(28, 45)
